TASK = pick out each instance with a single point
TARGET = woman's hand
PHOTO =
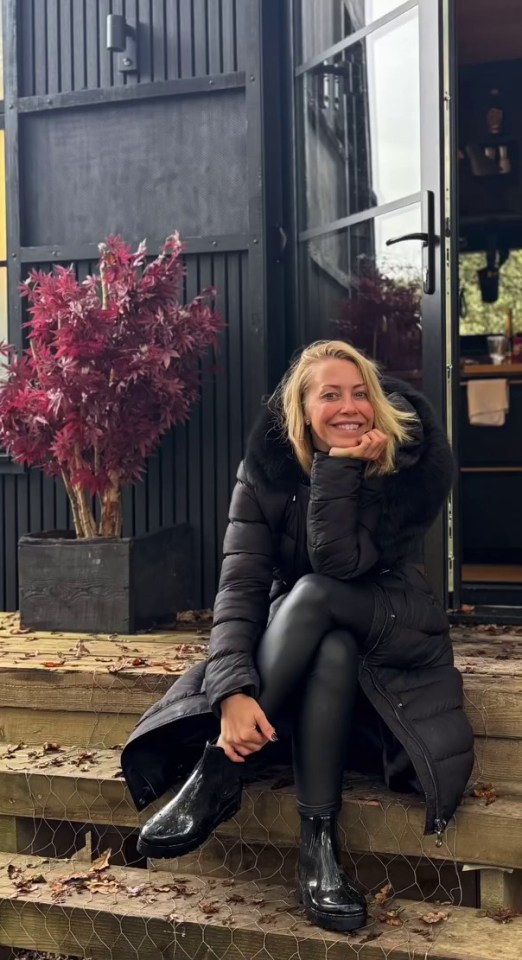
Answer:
(371, 446)
(244, 727)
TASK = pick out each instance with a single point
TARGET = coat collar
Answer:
(270, 461)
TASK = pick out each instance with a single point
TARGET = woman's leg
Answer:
(323, 724)
(314, 607)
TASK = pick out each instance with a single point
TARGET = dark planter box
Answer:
(105, 585)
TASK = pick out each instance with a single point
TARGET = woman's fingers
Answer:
(231, 753)
(266, 728)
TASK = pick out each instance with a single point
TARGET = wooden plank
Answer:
(26, 28)
(256, 919)
(82, 727)
(499, 761)
(53, 47)
(499, 889)
(229, 858)
(87, 787)
(159, 40)
(494, 707)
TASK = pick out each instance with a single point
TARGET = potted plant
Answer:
(113, 362)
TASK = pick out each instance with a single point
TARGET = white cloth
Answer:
(488, 402)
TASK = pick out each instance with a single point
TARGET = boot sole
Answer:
(338, 924)
(169, 851)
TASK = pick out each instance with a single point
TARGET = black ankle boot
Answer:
(330, 899)
(211, 795)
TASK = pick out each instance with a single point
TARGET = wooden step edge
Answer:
(118, 912)
(372, 819)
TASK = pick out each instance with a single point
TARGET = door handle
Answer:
(428, 240)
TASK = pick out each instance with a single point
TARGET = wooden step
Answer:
(86, 787)
(93, 689)
(115, 913)
(96, 700)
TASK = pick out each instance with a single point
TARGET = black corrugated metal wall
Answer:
(70, 109)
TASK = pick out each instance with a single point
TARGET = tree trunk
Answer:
(111, 512)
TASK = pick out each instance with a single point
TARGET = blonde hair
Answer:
(290, 398)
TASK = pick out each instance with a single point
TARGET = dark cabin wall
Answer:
(179, 145)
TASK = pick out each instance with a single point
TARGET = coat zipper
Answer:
(440, 823)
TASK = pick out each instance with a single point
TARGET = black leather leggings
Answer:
(310, 649)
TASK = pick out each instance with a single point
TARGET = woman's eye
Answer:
(361, 395)
(330, 396)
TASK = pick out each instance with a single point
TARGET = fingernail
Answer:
(274, 737)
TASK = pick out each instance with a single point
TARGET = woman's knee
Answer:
(312, 590)
(339, 650)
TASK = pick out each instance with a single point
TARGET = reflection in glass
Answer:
(357, 289)
(360, 130)
(325, 22)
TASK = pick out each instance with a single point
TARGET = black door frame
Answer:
(434, 107)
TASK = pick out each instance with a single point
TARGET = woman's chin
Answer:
(346, 442)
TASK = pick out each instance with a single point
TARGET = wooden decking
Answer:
(67, 703)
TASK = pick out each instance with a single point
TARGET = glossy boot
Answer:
(211, 795)
(330, 899)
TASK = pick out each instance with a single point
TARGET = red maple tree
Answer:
(113, 362)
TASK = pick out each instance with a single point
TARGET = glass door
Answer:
(370, 117)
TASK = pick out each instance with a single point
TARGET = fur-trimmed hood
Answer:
(412, 496)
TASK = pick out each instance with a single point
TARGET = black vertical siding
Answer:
(61, 49)
(64, 42)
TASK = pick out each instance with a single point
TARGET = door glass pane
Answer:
(357, 289)
(325, 22)
(360, 139)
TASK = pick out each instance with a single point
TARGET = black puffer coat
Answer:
(282, 526)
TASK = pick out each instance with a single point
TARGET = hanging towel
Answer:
(488, 402)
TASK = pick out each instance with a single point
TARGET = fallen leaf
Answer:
(503, 914)
(209, 907)
(368, 937)
(102, 862)
(391, 917)
(485, 792)
(50, 664)
(51, 747)
(235, 898)
(139, 662)
(467, 608)
(384, 894)
(14, 749)
(436, 916)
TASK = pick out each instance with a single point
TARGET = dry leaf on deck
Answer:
(209, 907)
(485, 791)
(384, 894)
(391, 917)
(435, 916)
(503, 914)
(102, 862)
(50, 664)
(51, 747)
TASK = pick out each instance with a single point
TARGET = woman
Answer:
(318, 603)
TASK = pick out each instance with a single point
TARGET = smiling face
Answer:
(337, 404)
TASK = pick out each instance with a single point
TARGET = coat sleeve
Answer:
(343, 514)
(242, 603)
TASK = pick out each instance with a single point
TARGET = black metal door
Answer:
(369, 106)
(94, 147)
